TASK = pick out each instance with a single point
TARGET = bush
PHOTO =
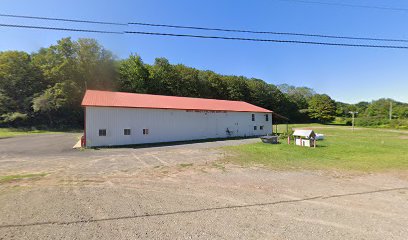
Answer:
(14, 118)
(342, 121)
(285, 135)
(382, 122)
(399, 123)
(371, 121)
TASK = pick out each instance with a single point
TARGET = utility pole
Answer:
(390, 110)
(353, 114)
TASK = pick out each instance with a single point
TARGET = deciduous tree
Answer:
(322, 108)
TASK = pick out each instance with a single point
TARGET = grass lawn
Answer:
(11, 132)
(365, 149)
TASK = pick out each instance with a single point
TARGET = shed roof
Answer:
(304, 133)
(136, 100)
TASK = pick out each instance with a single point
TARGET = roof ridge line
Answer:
(160, 95)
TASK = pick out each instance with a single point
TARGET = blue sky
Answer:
(346, 74)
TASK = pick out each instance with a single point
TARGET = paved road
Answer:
(39, 145)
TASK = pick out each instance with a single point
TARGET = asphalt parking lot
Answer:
(53, 153)
(185, 192)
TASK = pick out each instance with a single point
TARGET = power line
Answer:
(208, 29)
(206, 37)
(59, 29)
(62, 19)
(268, 40)
(347, 5)
(268, 32)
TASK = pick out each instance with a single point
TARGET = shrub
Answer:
(382, 122)
(371, 121)
(285, 135)
(399, 123)
(14, 118)
(342, 121)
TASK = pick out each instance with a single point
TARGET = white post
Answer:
(390, 110)
(352, 121)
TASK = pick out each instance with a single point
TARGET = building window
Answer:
(266, 117)
(145, 131)
(126, 131)
(254, 127)
(260, 127)
(253, 117)
(102, 132)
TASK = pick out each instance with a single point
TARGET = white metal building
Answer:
(117, 118)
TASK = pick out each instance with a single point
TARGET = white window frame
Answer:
(99, 132)
(145, 131)
(124, 131)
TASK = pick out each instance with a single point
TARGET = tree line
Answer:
(45, 88)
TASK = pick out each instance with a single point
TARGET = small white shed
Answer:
(305, 138)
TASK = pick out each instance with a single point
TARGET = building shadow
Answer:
(176, 143)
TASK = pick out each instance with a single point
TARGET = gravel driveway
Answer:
(184, 192)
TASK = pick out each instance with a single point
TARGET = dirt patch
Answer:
(237, 202)
(185, 192)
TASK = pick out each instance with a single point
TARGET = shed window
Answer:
(126, 131)
(253, 117)
(266, 117)
(102, 132)
(145, 131)
(254, 127)
(260, 127)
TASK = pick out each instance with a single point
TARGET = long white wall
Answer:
(168, 125)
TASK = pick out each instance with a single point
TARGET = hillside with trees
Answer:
(45, 88)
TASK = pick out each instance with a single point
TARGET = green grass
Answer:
(362, 150)
(12, 132)
(219, 166)
(12, 178)
(186, 165)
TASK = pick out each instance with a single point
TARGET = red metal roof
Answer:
(136, 100)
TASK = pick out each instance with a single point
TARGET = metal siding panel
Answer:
(167, 125)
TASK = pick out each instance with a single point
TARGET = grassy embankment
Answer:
(12, 132)
(364, 149)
